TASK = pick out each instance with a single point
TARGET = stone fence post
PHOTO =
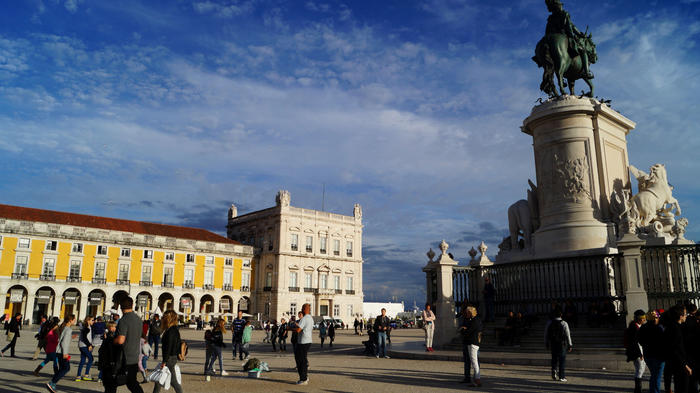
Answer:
(633, 276)
(480, 272)
(443, 301)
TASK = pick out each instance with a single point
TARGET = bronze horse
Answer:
(553, 53)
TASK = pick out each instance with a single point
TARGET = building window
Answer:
(51, 245)
(308, 280)
(293, 279)
(245, 280)
(309, 244)
(349, 286)
(270, 243)
(48, 270)
(336, 282)
(293, 309)
(209, 260)
(228, 262)
(123, 272)
(78, 248)
(324, 281)
(209, 277)
(23, 243)
(350, 310)
(126, 252)
(146, 273)
(190, 258)
(324, 240)
(74, 269)
(294, 242)
(336, 247)
(101, 250)
(246, 263)
(169, 256)
(261, 240)
(99, 270)
(228, 278)
(348, 248)
(0, 241)
(189, 276)
(147, 254)
(268, 279)
(336, 310)
(21, 264)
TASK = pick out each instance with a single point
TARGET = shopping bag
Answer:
(155, 375)
(178, 375)
(10, 336)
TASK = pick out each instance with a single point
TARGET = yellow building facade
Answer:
(57, 263)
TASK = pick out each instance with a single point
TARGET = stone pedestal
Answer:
(633, 280)
(445, 323)
(580, 158)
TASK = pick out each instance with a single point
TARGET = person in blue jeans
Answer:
(651, 338)
(62, 352)
(154, 332)
(237, 340)
(85, 347)
(558, 338)
(381, 325)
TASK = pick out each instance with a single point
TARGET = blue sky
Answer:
(169, 111)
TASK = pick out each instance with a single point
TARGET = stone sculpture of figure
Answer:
(654, 194)
(564, 51)
(283, 198)
(678, 230)
(523, 218)
(357, 211)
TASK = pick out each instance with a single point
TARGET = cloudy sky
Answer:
(169, 111)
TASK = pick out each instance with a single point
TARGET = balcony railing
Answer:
(293, 289)
(73, 279)
(146, 283)
(349, 291)
(99, 280)
(308, 289)
(20, 276)
(349, 253)
(267, 289)
(123, 281)
(338, 291)
(336, 252)
(208, 286)
(47, 277)
(188, 285)
(167, 284)
(228, 287)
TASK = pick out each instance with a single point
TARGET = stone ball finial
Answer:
(483, 247)
(472, 253)
(444, 246)
(430, 254)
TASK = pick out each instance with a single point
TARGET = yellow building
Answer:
(55, 263)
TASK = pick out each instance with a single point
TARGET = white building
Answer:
(374, 309)
(304, 256)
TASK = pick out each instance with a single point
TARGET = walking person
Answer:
(128, 335)
(274, 335)
(304, 330)
(217, 348)
(282, 335)
(65, 334)
(356, 324)
(651, 337)
(293, 325)
(50, 347)
(676, 357)
(268, 332)
(331, 333)
(558, 338)
(98, 331)
(471, 329)
(143, 357)
(245, 340)
(85, 346)
(633, 349)
(237, 327)
(171, 348)
(322, 332)
(381, 325)
(40, 337)
(13, 328)
(429, 327)
(691, 338)
(154, 333)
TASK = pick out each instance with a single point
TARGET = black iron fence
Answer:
(532, 286)
(671, 274)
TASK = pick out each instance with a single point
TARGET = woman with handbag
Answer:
(171, 344)
(65, 334)
(217, 347)
(12, 335)
(429, 326)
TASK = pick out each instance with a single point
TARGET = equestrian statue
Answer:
(564, 51)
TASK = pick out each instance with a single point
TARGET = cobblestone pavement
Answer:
(340, 369)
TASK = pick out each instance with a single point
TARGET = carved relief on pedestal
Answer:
(571, 179)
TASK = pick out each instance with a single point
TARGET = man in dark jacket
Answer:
(676, 358)
(381, 325)
(691, 337)
(470, 329)
(633, 349)
(13, 328)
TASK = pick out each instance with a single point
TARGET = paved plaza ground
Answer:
(341, 369)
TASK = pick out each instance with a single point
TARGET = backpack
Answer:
(182, 355)
(251, 364)
(555, 335)
(111, 358)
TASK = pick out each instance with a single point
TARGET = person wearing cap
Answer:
(633, 349)
(651, 336)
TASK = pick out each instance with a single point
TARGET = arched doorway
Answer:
(142, 304)
(43, 303)
(206, 307)
(225, 305)
(71, 303)
(186, 306)
(16, 300)
(166, 302)
(96, 303)
(244, 304)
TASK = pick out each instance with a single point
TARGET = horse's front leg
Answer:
(560, 80)
(674, 202)
(571, 83)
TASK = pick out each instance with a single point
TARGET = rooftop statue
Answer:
(565, 51)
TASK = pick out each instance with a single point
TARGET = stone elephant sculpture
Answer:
(523, 218)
